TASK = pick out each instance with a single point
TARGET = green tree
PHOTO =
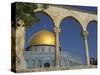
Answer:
(25, 12)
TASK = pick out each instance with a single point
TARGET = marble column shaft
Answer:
(57, 51)
(85, 35)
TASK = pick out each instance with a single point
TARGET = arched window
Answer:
(35, 49)
(43, 49)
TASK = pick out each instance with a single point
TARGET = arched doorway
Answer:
(47, 64)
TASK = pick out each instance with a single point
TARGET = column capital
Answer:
(57, 29)
(84, 34)
(20, 22)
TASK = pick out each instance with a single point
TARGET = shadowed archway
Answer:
(47, 65)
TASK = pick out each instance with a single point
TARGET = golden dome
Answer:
(42, 37)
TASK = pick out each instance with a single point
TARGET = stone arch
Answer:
(90, 22)
(46, 15)
(92, 38)
(30, 33)
(79, 28)
(74, 19)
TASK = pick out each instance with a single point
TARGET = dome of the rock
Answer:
(43, 37)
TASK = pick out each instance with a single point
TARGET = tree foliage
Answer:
(25, 12)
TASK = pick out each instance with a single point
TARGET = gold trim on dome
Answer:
(43, 37)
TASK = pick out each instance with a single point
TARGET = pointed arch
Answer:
(74, 19)
(90, 22)
(92, 38)
(36, 27)
(70, 38)
(43, 12)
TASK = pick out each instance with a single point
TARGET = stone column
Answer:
(85, 35)
(20, 35)
(57, 51)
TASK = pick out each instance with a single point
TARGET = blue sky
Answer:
(70, 35)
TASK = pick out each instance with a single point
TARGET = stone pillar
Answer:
(57, 51)
(20, 35)
(85, 35)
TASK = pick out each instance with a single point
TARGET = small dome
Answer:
(43, 37)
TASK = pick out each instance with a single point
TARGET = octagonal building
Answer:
(40, 52)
